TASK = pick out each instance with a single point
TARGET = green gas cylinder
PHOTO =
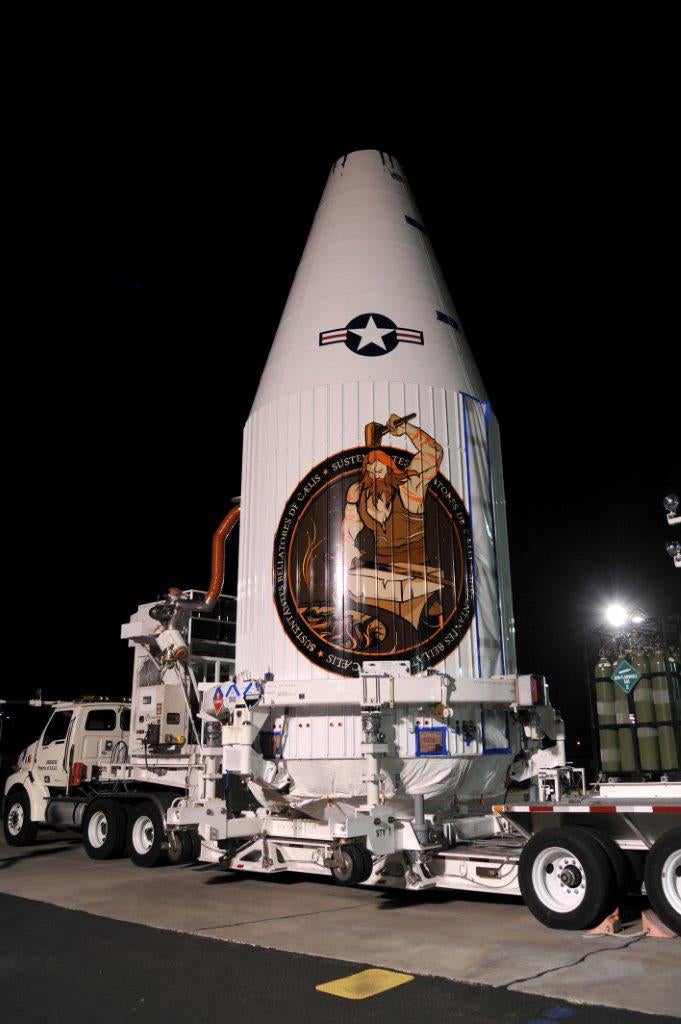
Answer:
(625, 734)
(669, 755)
(644, 705)
(674, 680)
(611, 759)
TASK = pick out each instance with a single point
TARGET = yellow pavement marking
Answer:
(364, 984)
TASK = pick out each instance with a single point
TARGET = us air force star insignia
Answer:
(371, 334)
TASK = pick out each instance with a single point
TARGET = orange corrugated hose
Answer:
(218, 555)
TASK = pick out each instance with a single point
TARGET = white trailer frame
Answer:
(477, 852)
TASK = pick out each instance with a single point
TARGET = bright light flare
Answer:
(616, 614)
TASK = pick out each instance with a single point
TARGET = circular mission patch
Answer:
(372, 561)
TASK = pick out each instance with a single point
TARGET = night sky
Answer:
(551, 233)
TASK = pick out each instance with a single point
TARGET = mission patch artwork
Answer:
(373, 555)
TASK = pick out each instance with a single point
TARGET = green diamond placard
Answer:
(626, 676)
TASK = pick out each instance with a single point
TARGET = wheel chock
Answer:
(609, 925)
(654, 928)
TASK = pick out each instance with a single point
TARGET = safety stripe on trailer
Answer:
(590, 809)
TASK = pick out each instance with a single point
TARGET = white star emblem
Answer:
(372, 334)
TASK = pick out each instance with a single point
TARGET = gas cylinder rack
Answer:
(634, 687)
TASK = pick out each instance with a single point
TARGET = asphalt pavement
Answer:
(68, 922)
(68, 966)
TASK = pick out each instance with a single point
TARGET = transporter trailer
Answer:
(193, 767)
(572, 853)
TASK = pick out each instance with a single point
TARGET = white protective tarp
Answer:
(447, 783)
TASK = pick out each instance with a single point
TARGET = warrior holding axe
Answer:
(390, 502)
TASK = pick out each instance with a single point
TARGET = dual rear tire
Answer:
(110, 830)
(663, 879)
(573, 878)
(104, 828)
(567, 878)
(146, 836)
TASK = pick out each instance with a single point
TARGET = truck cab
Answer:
(55, 772)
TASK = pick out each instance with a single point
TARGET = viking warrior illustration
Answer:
(389, 501)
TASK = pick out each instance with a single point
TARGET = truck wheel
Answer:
(145, 836)
(663, 879)
(18, 827)
(566, 879)
(104, 829)
(352, 867)
(180, 847)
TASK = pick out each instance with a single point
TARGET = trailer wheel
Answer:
(104, 829)
(180, 847)
(663, 879)
(621, 867)
(368, 864)
(352, 867)
(566, 878)
(18, 827)
(196, 845)
(145, 836)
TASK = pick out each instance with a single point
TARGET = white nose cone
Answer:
(368, 253)
(373, 520)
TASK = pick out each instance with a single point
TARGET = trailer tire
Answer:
(103, 829)
(621, 867)
(180, 848)
(353, 866)
(196, 845)
(146, 835)
(663, 879)
(566, 878)
(17, 825)
(368, 864)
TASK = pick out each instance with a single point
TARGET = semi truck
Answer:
(111, 768)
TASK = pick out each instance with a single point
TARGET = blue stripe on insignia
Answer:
(414, 223)
(446, 319)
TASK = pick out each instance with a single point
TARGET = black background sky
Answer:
(553, 218)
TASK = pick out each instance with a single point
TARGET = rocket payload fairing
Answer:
(373, 523)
